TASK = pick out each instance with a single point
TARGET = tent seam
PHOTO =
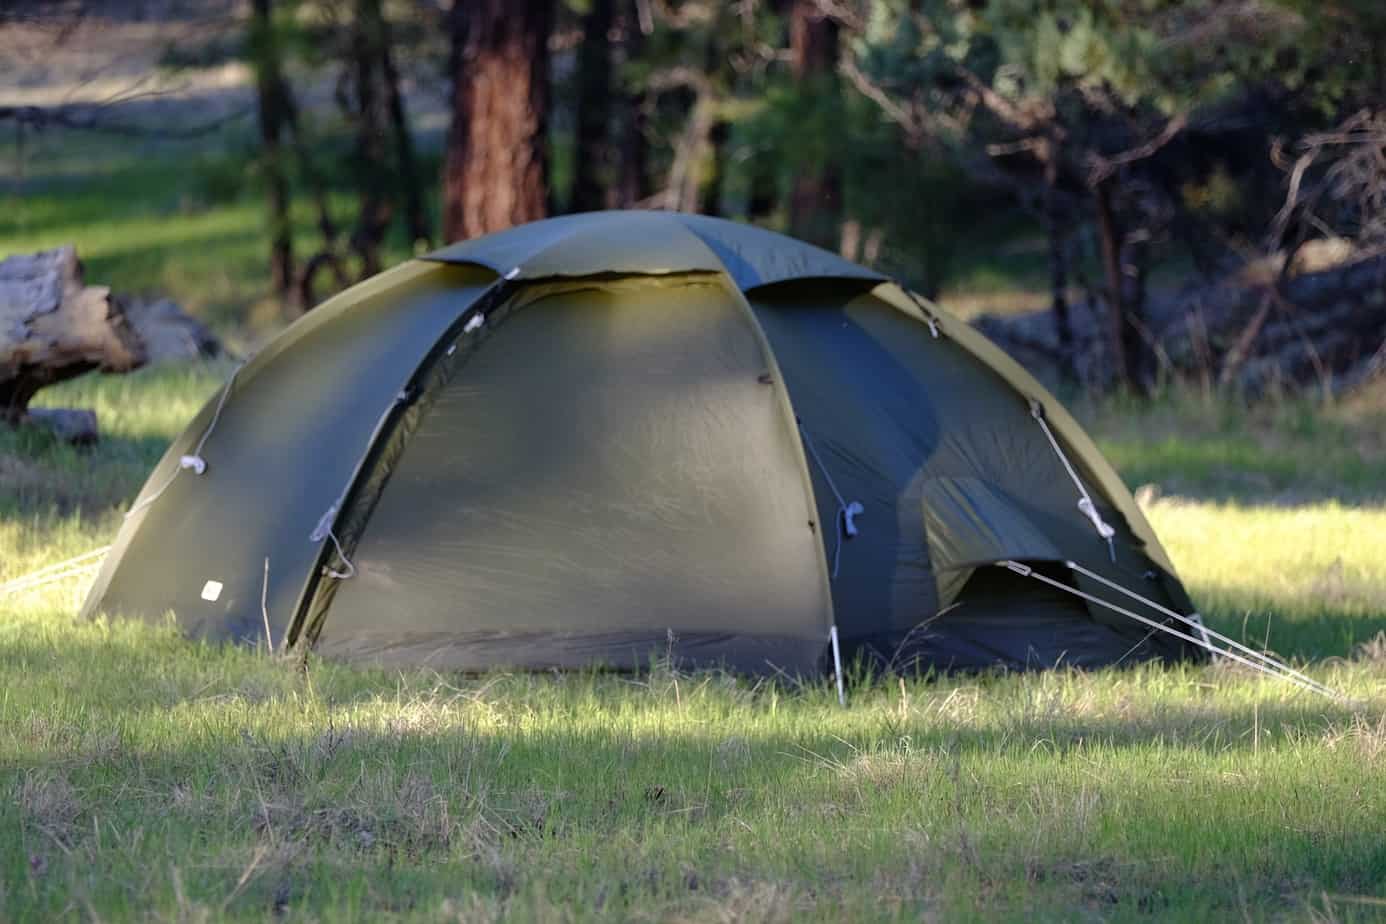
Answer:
(493, 296)
(786, 402)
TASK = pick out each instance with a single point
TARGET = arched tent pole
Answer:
(468, 320)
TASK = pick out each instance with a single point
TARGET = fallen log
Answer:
(54, 327)
(1323, 328)
(70, 425)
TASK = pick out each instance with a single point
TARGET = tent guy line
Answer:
(1280, 671)
(1203, 630)
(1085, 504)
(193, 461)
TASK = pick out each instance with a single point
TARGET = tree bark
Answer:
(55, 327)
(368, 111)
(495, 173)
(633, 185)
(270, 95)
(815, 197)
(1110, 236)
(1056, 232)
(713, 173)
(592, 142)
(415, 216)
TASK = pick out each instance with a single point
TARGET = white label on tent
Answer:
(211, 591)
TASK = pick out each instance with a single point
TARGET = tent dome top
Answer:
(650, 243)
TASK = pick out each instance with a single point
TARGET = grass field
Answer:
(144, 777)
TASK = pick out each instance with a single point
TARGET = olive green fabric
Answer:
(949, 465)
(972, 522)
(607, 477)
(613, 466)
(296, 422)
(650, 243)
(1003, 619)
(1083, 451)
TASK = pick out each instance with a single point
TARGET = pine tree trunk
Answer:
(270, 95)
(1109, 236)
(815, 198)
(593, 110)
(713, 174)
(495, 173)
(415, 216)
(372, 172)
(1056, 233)
(633, 183)
(1124, 259)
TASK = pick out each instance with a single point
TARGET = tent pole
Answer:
(837, 665)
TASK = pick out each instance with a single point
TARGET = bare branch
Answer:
(907, 117)
(1104, 167)
(85, 117)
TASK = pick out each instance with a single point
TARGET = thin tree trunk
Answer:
(816, 195)
(714, 170)
(1057, 235)
(420, 231)
(1135, 257)
(373, 178)
(1109, 236)
(764, 192)
(496, 174)
(269, 86)
(633, 183)
(593, 109)
(327, 256)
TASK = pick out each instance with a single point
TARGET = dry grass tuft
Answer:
(51, 804)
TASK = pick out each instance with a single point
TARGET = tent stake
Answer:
(837, 665)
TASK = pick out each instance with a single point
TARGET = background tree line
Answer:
(1132, 134)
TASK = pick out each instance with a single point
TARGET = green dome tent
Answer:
(609, 437)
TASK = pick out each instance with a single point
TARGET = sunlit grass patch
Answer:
(144, 776)
(1309, 580)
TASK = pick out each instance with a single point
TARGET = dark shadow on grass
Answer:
(495, 804)
(43, 476)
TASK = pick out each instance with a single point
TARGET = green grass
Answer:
(145, 776)
(179, 219)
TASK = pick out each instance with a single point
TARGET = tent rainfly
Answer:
(618, 436)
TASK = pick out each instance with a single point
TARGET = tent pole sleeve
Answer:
(488, 299)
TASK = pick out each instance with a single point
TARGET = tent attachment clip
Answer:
(324, 525)
(849, 518)
(196, 464)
